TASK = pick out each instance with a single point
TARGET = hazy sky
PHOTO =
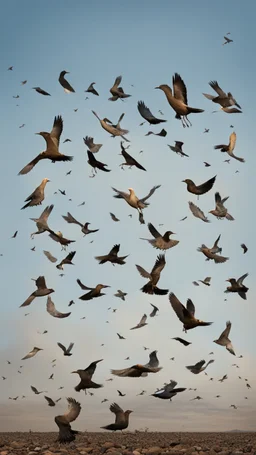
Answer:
(145, 42)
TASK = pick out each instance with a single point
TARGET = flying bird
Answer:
(197, 212)
(36, 392)
(42, 221)
(182, 341)
(50, 307)
(225, 100)
(32, 353)
(66, 351)
(117, 91)
(66, 260)
(147, 114)
(198, 367)
(206, 281)
(84, 227)
(58, 237)
(96, 164)
(142, 323)
(186, 314)
(224, 340)
(220, 211)
(129, 160)
(168, 391)
(211, 253)
(244, 247)
(93, 292)
(227, 40)
(91, 89)
(178, 148)
(112, 257)
(121, 420)
(161, 242)
(52, 150)
(66, 434)
(41, 291)
(107, 126)
(121, 294)
(229, 148)
(120, 337)
(94, 148)
(153, 276)
(238, 286)
(41, 91)
(121, 394)
(50, 401)
(136, 371)
(178, 99)
(14, 235)
(154, 311)
(162, 133)
(134, 201)
(114, 218)
(200, 189)
(37, 197)
(50, 256)
(86, 377)
(65, 84)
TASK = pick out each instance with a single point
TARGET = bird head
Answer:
(187, 181)
(46, 180)
(170, 233)
(212, 211)
(131, 190)
(64, 72)
(43, 134)
(107, 120)
(103, 286)
(97, 361)
(37, 349)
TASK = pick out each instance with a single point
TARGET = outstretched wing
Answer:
(145, 111)
(215, 86)
(206, 186)
(178, 307)
(119, 413)
(191, 307)
(159, 265)
(114, 250)
(50, 307)
(150, 193)
(61, 346)
(57, 130)
(143, 272)
(74, 409)
(153, 231)
(70, 219)
(40, 282)
(82, 286)
(197, 212)
(179, 88)
(242, 278)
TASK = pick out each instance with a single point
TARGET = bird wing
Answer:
(132, 160)
(33, 389)
(71, 220)
(88, 141)
(61, 346)
(92, 160)
(31, 164)
(191, 307)
(241, 279)
(119, 413)
(50, 307)
(120, 194)
(150, 193)
(170, 386)
(178, 307)
(50, 401)
(82, 286)
(143, 319)
(159, 265)
(215, 86)
(70, 347)
(153, 231)
(40, 282)
(197, 212)
(217, 198)
(117, 81)
(206, 186)
(50, 256)
(199, 365)
(46, 213)
(91, 369)
(226, 332)
(57, 130)
(145, 111)
(232, 141)
(74, 409)
(114, 250)
(70, 256)
(143, 272)
(125, 372)
(216, 243)
(179, 88)
(207, 279)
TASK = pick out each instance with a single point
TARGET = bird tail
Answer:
(158, 291)
(101, 259)
(194, 110)
(229, 217)
(121, 260)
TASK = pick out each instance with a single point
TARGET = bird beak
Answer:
(105, 286)
(157, 87)
(73, 372)
(97, 361)
(227, 280)
(183, 181)
(38, 134)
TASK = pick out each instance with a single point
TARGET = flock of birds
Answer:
(177, 99)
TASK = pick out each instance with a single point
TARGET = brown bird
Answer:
(186, 315)
(220, 211)
(238, 286)
(34, 389)
(136, 371)
(41, 291)
(66, 434)
(162, 133)
(85, 227)
(37, 197)
(94, 148)
(161, 242)
(224, 340)
(200, 189)
(197, 212)
(142, 323)
(224, 99)
(66, 260)
(211, 253)
(206, 281)
(129, 160)
(91, 89)
(198, 367)
(93, 292)
(96, 164)
(52, 150)
(65, 84)
(117, 91)
(32, 353)
(133, 200)
(50, 307)
(178, 148)
(41, 222)
(50, 401)
(229, 148)
(112, 257)
(41, 91)
(114, 218)
(50, 256)
(147, 114)
(153, 276)
(58, 237)
(86, 377)
(121, 420)
(178, 99)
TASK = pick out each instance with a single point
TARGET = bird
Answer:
(107, 126)
(200, 189)
(153, 276)
(197, 212)
(129, 160)
(244, 247)
(93, 292)
(233, 406)
(37, 197)
(41, 91)
(85, 227)
(154, 311)
(41, 291)
(89, 141)
(206, 130)
(121, 294)
(135, 371)
(66, 434)
(10, 68)
(178, 148)
(64, 142)
(36, 392)
(229, 148)
(50, 307)
(161, 242)
(14, 235)
(206, 164)
(50, 256)
(198, 367)
(224, 340)
(197, 398)
(66, 351)
(32, 353)
(42, 221)
(50, 401)
(96, 164)
(225, 100)
(227, 40)
(113, 217)
(133, 200)
(58, 237)
(206, 281)
(238, 286)
(112, 257)
(186, 315)
(52, 147)
(182, 341)
(220, 211)
(142, 323)
(162, 133)
(65, 84)
(120, 337)
(211, 253)
(91, 89)
(66, 260)
(121, 394)
(86, 377)
(147, 114)
(121, 420)
(168, 391)
(178, 99)
(117, 91)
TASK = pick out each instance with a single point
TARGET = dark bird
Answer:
(224, 340)
(142, 323)
(229, 148)
(65, 84)
(206, 281)
(41, 291)
(50, 256)
(37, 197)
(244, 247)
(93, 292)
(168, 391)
(161, 242)
(34, 389)
(63, 192)
(129, 160)
(200, 189)
(96, 164)
(10, 68)
(153, 276)
(51, 376)
(14, 235)
(121, 420)
(86, 377)
(121, 294)
(121, 394)
(112, 257)
(66, 351)
(94, 148)
(84, 227)
(184, 342)
(136, 371)
(52, 147)
(147, 114)
(42, 221)
(154, 311)
(120, 337)
(66, 260)
(67, 140)
(178, 148)
(238, 286)
(162, 133)
(114, 218)
(117, 91)
(225, 100)
(198, 367)
(71, 303)
(178, 99)
(66, 434)
(49, 401)
(91, 89)
(206, 164)
(227, 40)
(32, 353)
(50, 307)
(41, 91)
(58, 237)
(186, 314)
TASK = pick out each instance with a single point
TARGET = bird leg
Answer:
(122, 166)
(188, 121)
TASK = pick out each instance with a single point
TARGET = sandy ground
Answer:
(130, 443)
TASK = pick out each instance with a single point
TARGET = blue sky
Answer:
(146, 44)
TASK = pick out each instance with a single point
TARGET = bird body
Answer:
(93, 292)
(198, 367)
(95, 164)
(178, 148)
(129, 160)
(200, 189)
(41, 291)
(66, 260)
(86, 377)
(112, 257)
(66, 351)
(65, 84)
(37, 197)
(121, 420)
(106, 125)
(186, 314)
(147, 114)
(225, 100)
(134, 201)
(161, 242)
(91, 89)
(117, 91)
(168, 391)
(66, 434)
(142, 323)
(42, 221)
(153, 276)
(32, 353)
(229, 148)
(220, 211)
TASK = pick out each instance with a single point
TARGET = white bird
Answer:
(223, 339)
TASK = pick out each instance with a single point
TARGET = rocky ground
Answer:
(137, 443)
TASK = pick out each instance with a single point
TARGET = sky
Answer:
(146, 43)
